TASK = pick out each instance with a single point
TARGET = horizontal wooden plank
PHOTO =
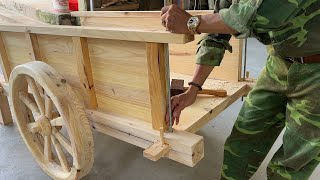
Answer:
(116, 33)
(206, 107)
(131, 14)
(182, 56)
(186, 148)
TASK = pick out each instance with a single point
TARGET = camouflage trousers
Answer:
(286, 96)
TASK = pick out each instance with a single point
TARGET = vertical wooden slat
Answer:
(157, 84)
(32, 43)
(5, 114)
(4, 60)
(85, 71)
(82, 5)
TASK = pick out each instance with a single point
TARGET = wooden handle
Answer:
(220, 92)
(215, 92)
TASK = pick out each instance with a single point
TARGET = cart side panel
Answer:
(16, 48)
(120, 75)
(182, 56)
(58, 52)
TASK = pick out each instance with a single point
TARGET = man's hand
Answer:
(175, 19)
(181, 101)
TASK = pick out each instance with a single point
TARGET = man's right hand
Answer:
(181, 101)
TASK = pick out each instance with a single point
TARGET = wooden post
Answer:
(82, 4)
(33, 45)
(85, 71)
(5, 114)
(157, 84)
(4, 60)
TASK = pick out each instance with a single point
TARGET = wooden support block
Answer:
(85, 71)
(4, 60)
(186, 148)
(157, 83)
(33, 45)
(5, 114)
(156, 151)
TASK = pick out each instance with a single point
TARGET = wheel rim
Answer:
(42, 122)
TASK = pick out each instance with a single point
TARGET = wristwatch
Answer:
(193, 23)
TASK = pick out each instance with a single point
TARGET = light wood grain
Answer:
(69, 108)
(206, 107)
(157, 81)
(186, 148)
(5, 114)
(156, 151)
(4, 60)
(85, 71)
(32, 43)
(121, 78)
(182, 56)
(16, 47)
(116, 33)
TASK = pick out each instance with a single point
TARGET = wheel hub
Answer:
(45, 125)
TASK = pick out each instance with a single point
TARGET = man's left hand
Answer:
(175, 19)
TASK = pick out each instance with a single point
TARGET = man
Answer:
(287, 93)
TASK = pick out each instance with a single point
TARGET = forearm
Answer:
(200, 75)
(212, 23)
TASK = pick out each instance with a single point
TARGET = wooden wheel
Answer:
(51, 121)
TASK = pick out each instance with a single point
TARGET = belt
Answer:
(304, 60)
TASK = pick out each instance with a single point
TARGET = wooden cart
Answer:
(62, 80)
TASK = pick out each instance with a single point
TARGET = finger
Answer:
(174, 102)
(176, 113)
(164, 20)
(164, 10)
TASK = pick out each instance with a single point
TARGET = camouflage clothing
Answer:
(291, 27)
(280, 99)
(286, 94)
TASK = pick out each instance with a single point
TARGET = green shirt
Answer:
(291, 28)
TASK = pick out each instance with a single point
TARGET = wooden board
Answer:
(206, 107)
(186, 148)
(116, 33)
(121, 78)
(182, 57)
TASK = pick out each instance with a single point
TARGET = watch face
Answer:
(193, 21)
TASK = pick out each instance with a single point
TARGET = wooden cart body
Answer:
(118, 72)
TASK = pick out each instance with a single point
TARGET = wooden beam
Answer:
(33, 45)
(5, 114)
(157, 84)
(82, 5)
(4, 60)
(131, 14)
(159, 36)
(207, 107)
(85, 71)
(186, 148)
(156, 151)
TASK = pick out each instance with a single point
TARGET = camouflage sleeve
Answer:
(212, 46)
(240, 15)
(247, 16)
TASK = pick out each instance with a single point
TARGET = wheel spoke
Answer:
(63, 160)
(24, 97)
(34, 127)
(47, 148)
(35, 91)
(57, 122)
(64, 142)
(48, 107)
